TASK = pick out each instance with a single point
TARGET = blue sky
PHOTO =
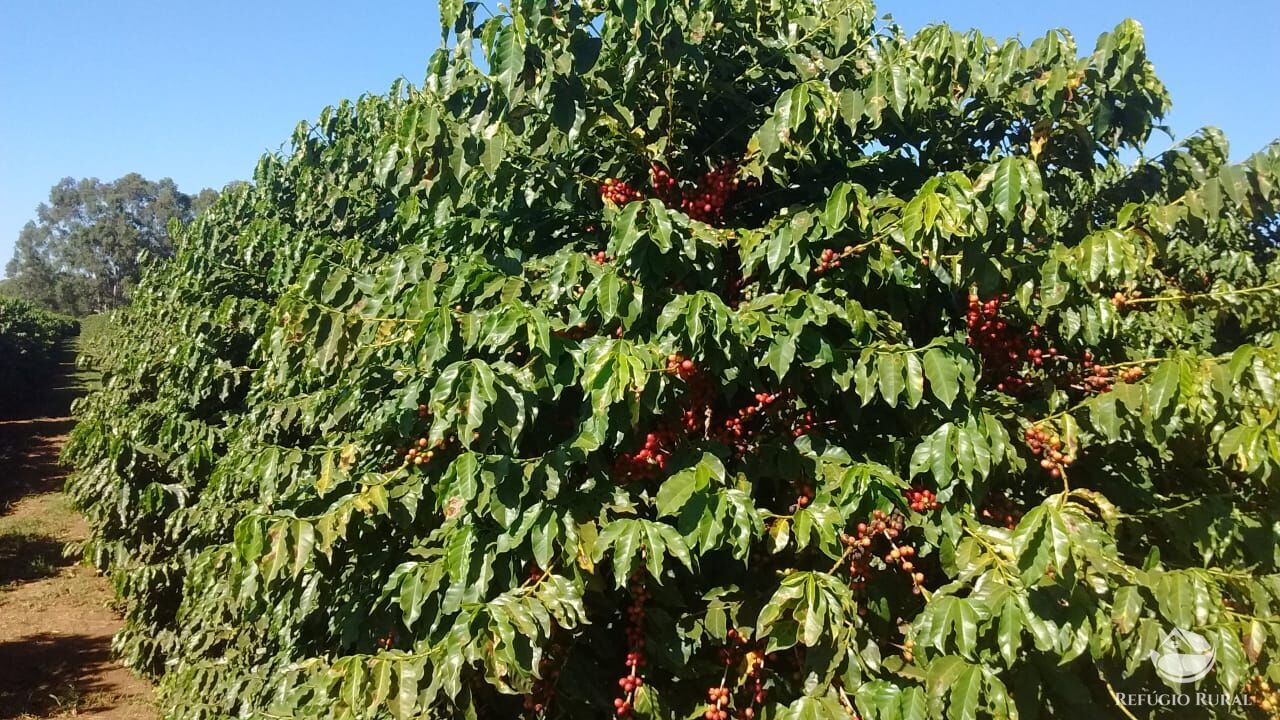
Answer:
(197, 91)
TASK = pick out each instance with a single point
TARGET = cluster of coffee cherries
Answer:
(921, 499)
(421, 450)
(694, 417)
(1001, 511)
(744, 426)
(1039, 356)
(705, 202)
(649, 460)
(719, 697)
(752, 422)
(803, 423)
(681, 366)
(618, 192)
(1010, 354)
(386, 642)
(1006, 350)
(1048, 446)
(665, 186)
(719, 700)
(830, 259)
(765, 414)
(708, 201)
(900, 555)
(880, 537)
(908, 650)
(738, 425)
(629, 683)
(1264, 696)
(1100, 378)
(599, 257)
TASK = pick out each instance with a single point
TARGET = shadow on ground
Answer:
(53, 400)
(50, 674)
(31, 429)
(29, 457)
(31, 556)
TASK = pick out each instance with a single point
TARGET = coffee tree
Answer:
(30, 342)
(722, 360)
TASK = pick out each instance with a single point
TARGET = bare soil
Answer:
(56, 614)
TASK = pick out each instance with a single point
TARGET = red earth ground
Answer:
(56, 614)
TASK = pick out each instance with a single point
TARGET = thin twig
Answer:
(1116, 697)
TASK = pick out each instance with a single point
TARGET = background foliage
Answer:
(793, 367)
(84, 251)
(30, 341)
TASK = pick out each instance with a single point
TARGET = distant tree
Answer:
(203, 199)
(86, 247)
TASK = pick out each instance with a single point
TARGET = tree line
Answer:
(86, 248)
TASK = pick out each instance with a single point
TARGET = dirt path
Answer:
(56, 620)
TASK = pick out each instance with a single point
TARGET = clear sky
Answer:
(197, 91)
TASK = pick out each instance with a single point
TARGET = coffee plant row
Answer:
(30, 340)
(707, 359)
